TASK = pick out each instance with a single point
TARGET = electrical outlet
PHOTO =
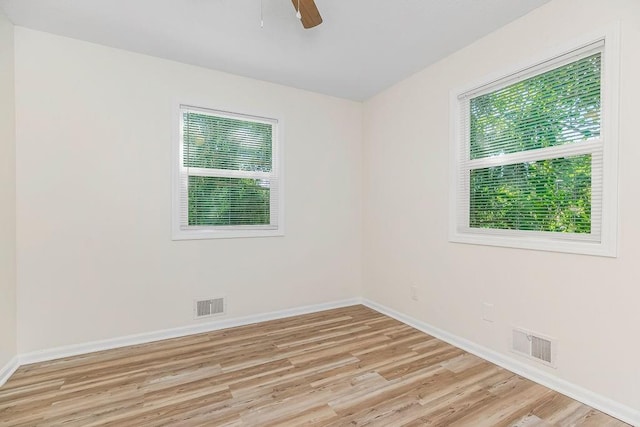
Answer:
(414, 293)
(487, 312)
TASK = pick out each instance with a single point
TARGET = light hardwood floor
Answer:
(349, 366)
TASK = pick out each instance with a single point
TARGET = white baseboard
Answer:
(108, 344)
(597, 401)
(7, 370)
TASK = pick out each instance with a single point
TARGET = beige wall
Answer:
(590, 304)
(95, 255)
(7, 196)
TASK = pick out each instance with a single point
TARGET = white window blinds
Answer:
(228, 168)
(531, 146)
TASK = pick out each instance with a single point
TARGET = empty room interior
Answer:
(330, 213)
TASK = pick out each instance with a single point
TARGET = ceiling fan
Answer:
(307, 13)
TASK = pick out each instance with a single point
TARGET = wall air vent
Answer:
(209, 307)
(534, 346)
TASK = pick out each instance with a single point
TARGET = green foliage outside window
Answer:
(558, 107)
(547, 195)
(229, 144)
(227, 201)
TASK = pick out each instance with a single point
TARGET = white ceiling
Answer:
(363, 46)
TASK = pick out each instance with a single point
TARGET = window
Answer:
(227, 181)
(535, 156)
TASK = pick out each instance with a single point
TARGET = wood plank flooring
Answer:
(345, 367)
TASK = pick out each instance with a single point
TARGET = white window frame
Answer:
(459, 230)
(180, 231)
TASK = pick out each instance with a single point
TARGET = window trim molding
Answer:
(223, 232)
(608, 244)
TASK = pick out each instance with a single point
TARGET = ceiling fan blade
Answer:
(310, 15)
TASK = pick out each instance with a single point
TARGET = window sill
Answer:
(224, 234)
(536, 243)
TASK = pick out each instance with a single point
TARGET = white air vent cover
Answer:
(208, 307)
(535, 346)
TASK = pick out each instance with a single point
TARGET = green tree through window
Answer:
(228, 163)
(556, 108)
